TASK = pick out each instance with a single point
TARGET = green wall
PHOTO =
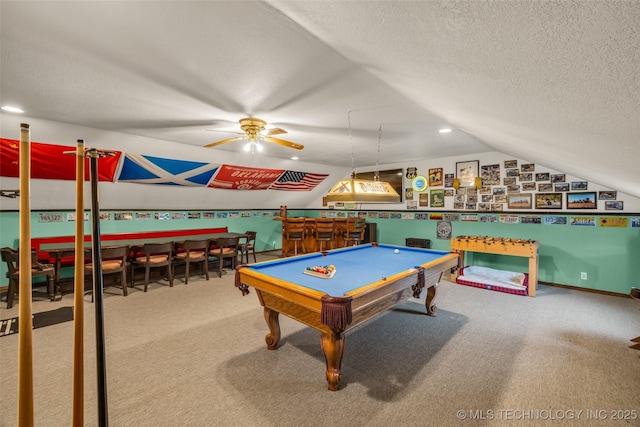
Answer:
(608, 255)
(269, 230)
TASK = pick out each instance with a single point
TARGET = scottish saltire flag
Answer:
(156, 170)
(298, 181)
(232, 177)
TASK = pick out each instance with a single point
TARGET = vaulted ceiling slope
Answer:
(551, 82)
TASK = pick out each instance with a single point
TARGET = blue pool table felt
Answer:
(356, 266)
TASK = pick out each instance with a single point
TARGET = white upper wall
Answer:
(50, 194)
(55, 194)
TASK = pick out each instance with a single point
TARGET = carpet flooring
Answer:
(194, 355)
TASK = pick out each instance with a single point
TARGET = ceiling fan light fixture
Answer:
(254, 131)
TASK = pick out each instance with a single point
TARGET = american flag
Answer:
(297, 181)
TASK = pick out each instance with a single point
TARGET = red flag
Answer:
(49, 162)
(243, 178)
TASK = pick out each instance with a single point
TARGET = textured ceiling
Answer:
(554, 83)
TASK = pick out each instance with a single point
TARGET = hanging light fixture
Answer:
(354, 190)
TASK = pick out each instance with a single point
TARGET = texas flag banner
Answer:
(298, 181)
(143, 169)
(243, 178)
(48, 161)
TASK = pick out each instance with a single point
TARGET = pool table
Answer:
(368, 280)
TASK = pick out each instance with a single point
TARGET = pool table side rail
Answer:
(284, 289)
(306, 305)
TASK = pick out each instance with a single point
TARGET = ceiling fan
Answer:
(254, 131)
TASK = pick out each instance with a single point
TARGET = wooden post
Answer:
(25, 316)
(78, 308)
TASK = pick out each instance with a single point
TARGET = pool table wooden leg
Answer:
(432, 291)
(273, 337)
(333, 348)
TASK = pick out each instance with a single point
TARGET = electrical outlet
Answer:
(274, 244)
(583, 275)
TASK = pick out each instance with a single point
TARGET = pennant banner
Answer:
(48, 161)
(155, 170)
(298, 181)
(244, 178)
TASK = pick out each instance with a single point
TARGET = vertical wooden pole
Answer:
(103, 414)
(78, 308)
(25, 317)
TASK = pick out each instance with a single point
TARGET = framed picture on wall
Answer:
(579, 185)
(548, 200)
(436, 198)
(607, 195)
(584, 200)
(510, 164)
(467, 172)
(519, 201)
(615, 205)
(435, 177)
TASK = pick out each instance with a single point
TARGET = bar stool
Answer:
(324, 232)
(354, 232)
(295, 231)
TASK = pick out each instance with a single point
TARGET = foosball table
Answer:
(500, 246)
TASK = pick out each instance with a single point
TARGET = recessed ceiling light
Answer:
(10, 109)
(445, 130)
(295, 158)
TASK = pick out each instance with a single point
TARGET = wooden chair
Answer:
(248, 246)
(295, 230)
(354, 231)
(193, 251)
(153, 255)
(225, 248)
(12, 258)
(324, 232)
(114, 260)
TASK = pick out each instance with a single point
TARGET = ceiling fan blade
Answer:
(225, 131)
(273, 131)
(284, 143)
(224, 141)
